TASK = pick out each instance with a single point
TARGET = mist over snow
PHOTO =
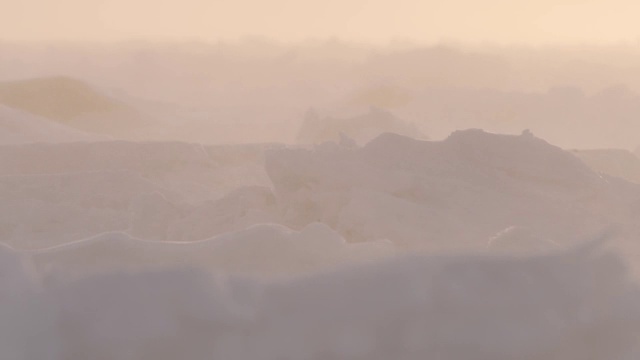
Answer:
(320, 200)
(257, 91)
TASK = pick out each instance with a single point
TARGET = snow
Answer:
(478, 246)
(416, 193)
(571, 304)
(27, 319)
(69, 102)
(146, 214)
(456, 307)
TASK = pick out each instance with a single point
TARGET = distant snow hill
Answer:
(361, 129)
(19, 127)
(75, 104)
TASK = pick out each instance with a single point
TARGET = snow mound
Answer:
(468, 187)
(145, 316)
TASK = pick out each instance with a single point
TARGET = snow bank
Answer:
(175, 314)
(160, 191)
(27, 321)
(575, 304)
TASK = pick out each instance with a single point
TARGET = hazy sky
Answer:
(499, 21)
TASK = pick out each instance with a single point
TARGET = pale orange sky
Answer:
(495, 21)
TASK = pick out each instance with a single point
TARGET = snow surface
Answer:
(479, 246)
(67, 102)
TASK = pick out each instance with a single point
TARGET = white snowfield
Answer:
(470, 248)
